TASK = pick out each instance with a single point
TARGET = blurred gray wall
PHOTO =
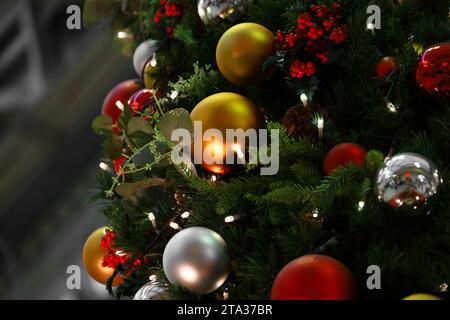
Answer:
(52, 84)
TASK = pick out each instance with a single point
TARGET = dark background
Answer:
(52, 84)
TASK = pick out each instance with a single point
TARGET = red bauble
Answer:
(120, 95)
(343, 154)
(385, 67)
(142, 100)
(433, 71)
(314, 277)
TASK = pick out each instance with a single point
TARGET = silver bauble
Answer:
(153, 290)
(407, 180)
(196, 258)
(144, 52)
(212, 11)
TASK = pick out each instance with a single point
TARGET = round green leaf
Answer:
(102, 125)
(175, 119)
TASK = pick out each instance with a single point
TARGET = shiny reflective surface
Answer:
(407, 180)
(433, 71)
(153, 290)
(141, 100)
(196, 258)
(242, 51)
(143, 54)
(212, 11)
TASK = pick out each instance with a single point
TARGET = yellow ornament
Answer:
(224, 111)
(422, 296)
(93, 257)
(241, 52)
(150, 68)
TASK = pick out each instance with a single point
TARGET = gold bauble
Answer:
(93, 257)
(422, 296)
(224, 111)
(241, 52)
(150, 68)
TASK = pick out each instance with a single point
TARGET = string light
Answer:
(371, 28)
(320, 126)
(174, 94)
(175, 226)
(153, 61)
(304, 99)
(443, 287)
(237, 148)
(226, 295)
(185, 215)
(124, 35)
(361, 205)
(104, 166)
(231, 219)
(121, 253)
(313, 216)
(153, 278)
(214, 178)
(391, 107)
(152, 219)
(120, 105)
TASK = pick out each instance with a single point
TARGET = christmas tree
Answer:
(350, 174)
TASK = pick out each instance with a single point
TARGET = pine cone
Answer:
(298, 120)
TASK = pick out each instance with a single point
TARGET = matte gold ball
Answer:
(241, 52)
(224, 111)
(93, 257)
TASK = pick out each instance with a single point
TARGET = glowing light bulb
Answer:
(361, 205)
(229, 219)
(153, 62)
(123, 35)
(104, 166)
(174, 94)
(304, 99)
(175, 226)
(120, 105)
(185, 215)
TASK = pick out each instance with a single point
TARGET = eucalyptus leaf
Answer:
(175, 119)
(138, 124)
(143, 157)
(102, 125)
(125, 116)
(112, 147)
(129, 189)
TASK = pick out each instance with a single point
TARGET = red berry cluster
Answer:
(115, 257)
(167, 15)
(316, 30)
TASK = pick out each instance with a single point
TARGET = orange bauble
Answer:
(224, 111)
(343, 154)
(93, 257)
(314, 277)
(385, 67)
